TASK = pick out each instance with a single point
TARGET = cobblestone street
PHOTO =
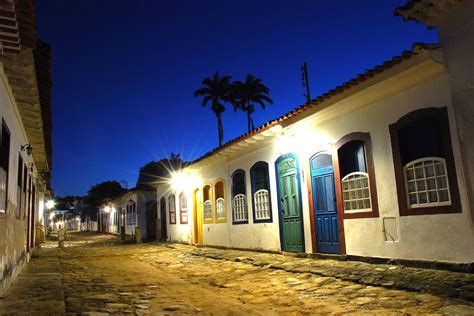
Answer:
(98, 274)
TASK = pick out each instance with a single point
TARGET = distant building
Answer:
(123, 214)
(25, 142)
(380, 166)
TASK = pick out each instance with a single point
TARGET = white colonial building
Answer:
(25, 136)
(124, 213)
(381, 166)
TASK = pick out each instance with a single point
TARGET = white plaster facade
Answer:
(128, 210)
(15, 230)
(422, 81)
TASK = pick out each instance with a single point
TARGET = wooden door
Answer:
(164, 231)
(151, 216)
(324, 204)
(290, 207)
(197, 216)
(116, 222)
(122, 222)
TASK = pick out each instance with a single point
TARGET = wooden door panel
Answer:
(290, 206)
(325, 212)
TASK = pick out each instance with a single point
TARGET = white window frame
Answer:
(239, 208)
(259, 209)
(424, 161)
(132, 214)
(3, 190)
(172, 210)
(183, 210)
(351, 177)
(220, 208)
(207, 206)
(127, 217)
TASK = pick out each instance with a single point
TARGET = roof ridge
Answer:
(417, 48)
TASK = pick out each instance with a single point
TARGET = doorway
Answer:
(324, 204)
(164, 232)
(122, 222)
(197, 216)
(289, 204)
(151, 216)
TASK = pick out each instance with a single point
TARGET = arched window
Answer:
(424, 163)
(183, 208)
(172, 208)
(355, 179)
(220, 201)
(207, 203)
(356, 176)
(262, 209)
(131, 212)
(239, 198)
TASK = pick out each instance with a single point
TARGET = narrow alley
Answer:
(96, 273)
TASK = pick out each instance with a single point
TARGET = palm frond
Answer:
(206, 100)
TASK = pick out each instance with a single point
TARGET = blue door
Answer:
(324, 204)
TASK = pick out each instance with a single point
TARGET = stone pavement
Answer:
(97, 275)
(436, 282)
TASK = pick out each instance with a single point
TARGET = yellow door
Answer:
(197, 210)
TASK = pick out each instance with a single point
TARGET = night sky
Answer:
(124, 72)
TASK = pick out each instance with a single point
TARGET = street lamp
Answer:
(27, 148)
(50, 204)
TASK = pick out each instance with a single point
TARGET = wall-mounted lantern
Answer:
(27, 148)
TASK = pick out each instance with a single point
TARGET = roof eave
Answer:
(371, 77)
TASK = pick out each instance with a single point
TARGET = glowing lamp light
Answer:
(286, 144)
(184, 180)
(302, 144)
(50, 204)
(107, 209)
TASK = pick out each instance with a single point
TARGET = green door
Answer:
(290, 209)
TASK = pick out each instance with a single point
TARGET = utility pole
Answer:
(124, 183)
(304, 77)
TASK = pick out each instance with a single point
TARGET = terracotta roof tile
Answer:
(405, 55)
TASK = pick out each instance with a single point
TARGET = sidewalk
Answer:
(436, 282)
(39, 286)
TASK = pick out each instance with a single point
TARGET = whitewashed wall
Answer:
(427, 237)
(13, 230)
(441, 237)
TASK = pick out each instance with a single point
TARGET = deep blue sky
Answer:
(124, 72)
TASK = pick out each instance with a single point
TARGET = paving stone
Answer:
(167, 278)
(141, 306)
(390, 304)
(173, 308)
(459, 310)
(102, 297)
(363, 300)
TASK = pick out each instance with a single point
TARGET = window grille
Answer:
(172, 209)
(207, 210)
(426, 182)
(220, 208)
(356, 192)
(239, 207)
(262, 204)
(183, 206)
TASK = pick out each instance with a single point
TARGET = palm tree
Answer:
(217, 91)
(245, 95)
